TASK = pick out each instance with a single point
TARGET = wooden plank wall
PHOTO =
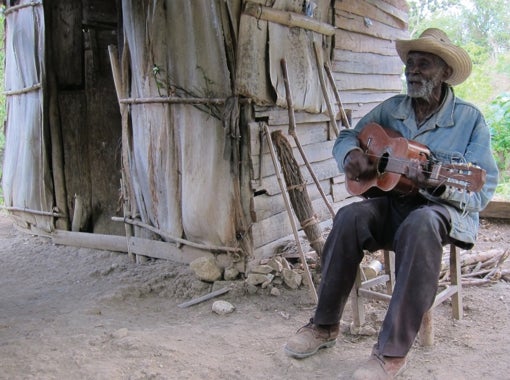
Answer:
(366, 66)
(367, 70)
(271, 224)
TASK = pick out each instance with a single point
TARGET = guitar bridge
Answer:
(436, 169)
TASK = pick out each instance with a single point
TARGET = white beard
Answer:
(425, 90)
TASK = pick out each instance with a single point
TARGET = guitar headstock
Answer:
(467, 177)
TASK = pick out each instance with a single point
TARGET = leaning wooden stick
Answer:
(318, 58)
(292, 132)
(205, 297)
(308, 276)
(343, 115)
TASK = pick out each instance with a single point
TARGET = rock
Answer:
(366, 330)
(120, 333)
(205, 269)
(223, 261)
(291, 278)
(251, 289)
(256, 279)
(275, 292)
(230, 273)
(266, 283)
(276, 264)
(262, 269)
(285, 263)
(222, 307)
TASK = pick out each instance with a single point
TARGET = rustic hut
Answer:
(146, 126)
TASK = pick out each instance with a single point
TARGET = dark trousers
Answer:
(416, 232)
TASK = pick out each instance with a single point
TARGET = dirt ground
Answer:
(76, 313)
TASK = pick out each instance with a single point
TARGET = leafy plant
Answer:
(498, 118)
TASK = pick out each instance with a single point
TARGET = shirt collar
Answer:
(444, 115)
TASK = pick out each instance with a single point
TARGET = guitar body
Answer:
(391, 155)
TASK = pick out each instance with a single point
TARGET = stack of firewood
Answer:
(478, 268)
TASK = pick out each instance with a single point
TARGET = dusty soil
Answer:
(75, 313)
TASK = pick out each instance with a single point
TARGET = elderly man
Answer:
(414, 225)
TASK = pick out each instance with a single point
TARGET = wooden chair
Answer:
(363, 288)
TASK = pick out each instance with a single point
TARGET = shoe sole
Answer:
(302, 355)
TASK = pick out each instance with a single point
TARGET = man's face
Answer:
(425, 72)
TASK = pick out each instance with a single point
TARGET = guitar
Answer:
(391, 155)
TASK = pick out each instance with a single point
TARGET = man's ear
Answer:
(448, 71)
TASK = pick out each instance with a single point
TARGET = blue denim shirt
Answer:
(456, 132)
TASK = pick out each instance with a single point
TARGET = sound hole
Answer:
(383, 163)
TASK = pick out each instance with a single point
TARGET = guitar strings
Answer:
(443, 178)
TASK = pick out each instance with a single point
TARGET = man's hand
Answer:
(415, 171)
(418, 172)
(357, 165)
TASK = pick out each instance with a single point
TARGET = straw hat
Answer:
(436, 41)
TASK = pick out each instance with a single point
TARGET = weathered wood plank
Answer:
(323, 170)
(280, 116)
(99, 13)
(345, 61)
(251, 68)
(339, 192)
(278, 225)
(360, 96)
(163, 250)
(265, 205)
(268, 249)
(313, 152)
(67, 39)
(497, 210)
(387, 14)
(306, 133)
(368, 25)
(368, 82)
(72, 105)
(396, 8)
(88, 240)
(362, 43)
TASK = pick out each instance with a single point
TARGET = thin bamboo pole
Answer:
(172, 100)
(34, 212)
(290, 19)
(175, 239)
(343, 115)
(292, 132)
(318, 58)
(308, 275)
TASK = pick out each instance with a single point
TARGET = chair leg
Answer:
(427, 330)
(456, 280)
(389, 269)
(358, 311)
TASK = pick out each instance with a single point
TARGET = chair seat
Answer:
(364, 288)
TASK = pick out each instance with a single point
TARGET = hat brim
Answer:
(455, 57)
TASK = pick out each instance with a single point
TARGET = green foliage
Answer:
(498, 118)
(481, 28)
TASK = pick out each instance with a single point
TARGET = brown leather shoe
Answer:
(379, 367)
(311, 338)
